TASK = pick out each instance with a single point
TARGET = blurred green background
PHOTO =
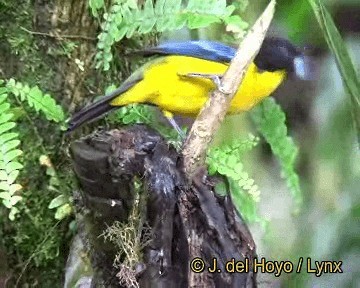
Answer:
(319, 120)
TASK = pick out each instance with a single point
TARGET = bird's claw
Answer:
(216, 78)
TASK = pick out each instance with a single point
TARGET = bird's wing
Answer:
(102, 106)
(203, 49)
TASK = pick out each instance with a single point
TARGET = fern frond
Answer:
(226, 160)
(9, 152)
(37, 100)
(145, 114)
(96, 5)
(126, 19)
(270, 121)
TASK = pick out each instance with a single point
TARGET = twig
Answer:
(214, 111)
(57, 36)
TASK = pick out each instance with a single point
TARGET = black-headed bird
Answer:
(179, 80)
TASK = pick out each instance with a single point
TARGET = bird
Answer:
(180, 76)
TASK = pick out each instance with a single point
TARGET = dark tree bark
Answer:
(71, 21)
(186, 221)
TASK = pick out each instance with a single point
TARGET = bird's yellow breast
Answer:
(166, 85)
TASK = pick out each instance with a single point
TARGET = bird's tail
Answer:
(89, 113)
(100, 107)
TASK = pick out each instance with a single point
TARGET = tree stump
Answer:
(187, 221)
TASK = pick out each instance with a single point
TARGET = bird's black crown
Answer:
(277, 54)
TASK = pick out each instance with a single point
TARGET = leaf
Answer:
(7, 137)
(11, 155)
(226, 160)
(37, 100)
(200, 21)
(159, 8)
(3, 93)
(270, 121)
(4, 186)
(9, 145)
(7, 203)
(235, 24)
(13, 166)
(11, 177)
(172, 6)
(6, 127)
(58, 201)
(245, 203)
(63, 211)
(15, 199)
(13, 212)
(5, 195)
(4, 107)
(14, 188)
(125, 19)
(95, 5)
(5, 117)
(3, 175)
(344, 63)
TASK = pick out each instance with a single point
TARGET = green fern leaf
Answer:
(11, 155)
(270, 121)
(7, 137)
(6, 127)
(226, 160)
(9, 145)
(11, 177)
(5, 117)
(96, 5)
(159, 7)
(126, 18)
(4, 107)
(9, 169)
(3, 93)
(149, 22)
(13, 166)
(3, 175)
(37, 100)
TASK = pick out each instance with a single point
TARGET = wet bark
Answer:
(186, 221)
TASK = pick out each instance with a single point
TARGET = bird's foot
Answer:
(169, 116)
(216, 78)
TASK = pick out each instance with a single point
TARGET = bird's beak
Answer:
(303, 68)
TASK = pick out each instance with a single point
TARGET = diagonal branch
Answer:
(214, 111)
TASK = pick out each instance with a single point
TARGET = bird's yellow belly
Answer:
(166, 85)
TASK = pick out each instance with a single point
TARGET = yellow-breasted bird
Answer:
(180, 79)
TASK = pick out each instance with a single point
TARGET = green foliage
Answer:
(227, 160)
(36, 241)
(145, 114)
(96, 5)
(9, 154)
(35, 244)
(295, 22)
(10, 167)
(270, 121)
(343, 60)
(37, 100)
(125, 18)
(61, 203)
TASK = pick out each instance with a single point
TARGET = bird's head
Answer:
(279, 54)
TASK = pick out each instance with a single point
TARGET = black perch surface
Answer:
(186, 221)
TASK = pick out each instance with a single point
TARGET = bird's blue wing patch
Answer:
(204, 49)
